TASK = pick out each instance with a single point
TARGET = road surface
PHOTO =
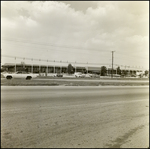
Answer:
(95, 80)
(74, 117)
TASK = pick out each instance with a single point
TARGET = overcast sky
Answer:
(76, 31)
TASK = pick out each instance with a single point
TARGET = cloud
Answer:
(85, 27)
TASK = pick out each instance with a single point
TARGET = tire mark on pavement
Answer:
(122, 139)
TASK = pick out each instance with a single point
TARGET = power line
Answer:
(25, 58)
(62, 50)
(50, 45)
(46, 60)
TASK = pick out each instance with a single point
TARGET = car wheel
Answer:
(9, 77)
(28, 78)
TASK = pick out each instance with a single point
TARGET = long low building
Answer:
(34, 68)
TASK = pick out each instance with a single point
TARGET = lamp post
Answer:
(24, 67)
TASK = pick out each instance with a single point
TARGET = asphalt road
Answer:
(74, 117)
(95, 79)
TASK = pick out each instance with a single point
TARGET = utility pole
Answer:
(112, 64)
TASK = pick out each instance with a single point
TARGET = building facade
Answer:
(11, 67)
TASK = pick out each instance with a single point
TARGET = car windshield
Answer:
(19, 72)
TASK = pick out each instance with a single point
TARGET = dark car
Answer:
(59, 75)
(133, 75)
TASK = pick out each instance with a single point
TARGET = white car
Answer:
(20, 74)
(79, 74)
(52, 74)
(116, 75)
(88, 75)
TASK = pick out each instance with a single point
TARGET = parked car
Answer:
(116, 75)
(133, 75)
(79, 74)
(88, 75)
(52, 74)
(55, 75)
(20, 74)
(59, 75)
(95, 76)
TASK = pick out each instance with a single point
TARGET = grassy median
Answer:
(49, 81)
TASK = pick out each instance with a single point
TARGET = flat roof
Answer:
(93, 68)
(78, 67)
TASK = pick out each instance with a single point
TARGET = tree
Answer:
(103, 71)
(23, 66)
(119, 71)
(3, 69)
(124, 72)
(70, 69)
(146, 72)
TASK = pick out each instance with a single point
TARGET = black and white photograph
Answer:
(74, 74)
